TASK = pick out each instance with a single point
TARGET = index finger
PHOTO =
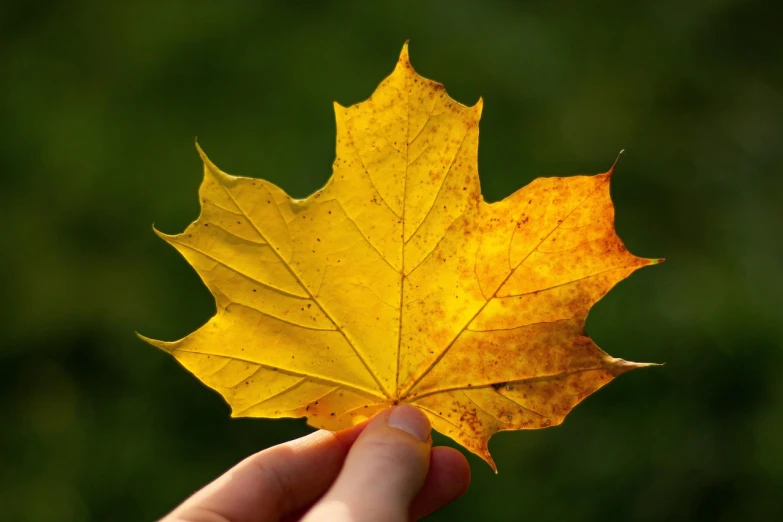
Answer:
(273, 482)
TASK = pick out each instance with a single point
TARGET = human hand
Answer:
(384, 470)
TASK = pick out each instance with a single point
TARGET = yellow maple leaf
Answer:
(397, 282)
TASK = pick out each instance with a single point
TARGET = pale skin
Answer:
(384, 470)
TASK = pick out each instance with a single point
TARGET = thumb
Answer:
(383, 472)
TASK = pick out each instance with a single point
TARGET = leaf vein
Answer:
(316, 301)
(451, 343)
(440, 188)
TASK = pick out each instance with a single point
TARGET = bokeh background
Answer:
(99, 106)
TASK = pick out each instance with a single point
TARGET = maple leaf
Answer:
(397, 282)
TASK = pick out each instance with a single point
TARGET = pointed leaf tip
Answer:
(404, 56)
(211, 168)
(616, 161)
(168, 238)
(620, 366)
(166, 347)
(201, 152)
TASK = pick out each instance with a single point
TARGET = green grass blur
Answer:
(99, 106)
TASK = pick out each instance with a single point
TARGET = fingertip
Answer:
(411, 420)
(454, 464)
(447, 480)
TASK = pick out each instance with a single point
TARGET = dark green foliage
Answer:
(99, 105)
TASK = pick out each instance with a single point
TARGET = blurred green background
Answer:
(99, 105)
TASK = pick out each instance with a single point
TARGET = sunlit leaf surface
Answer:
(397, 282)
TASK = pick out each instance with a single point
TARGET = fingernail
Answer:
(410, 420)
